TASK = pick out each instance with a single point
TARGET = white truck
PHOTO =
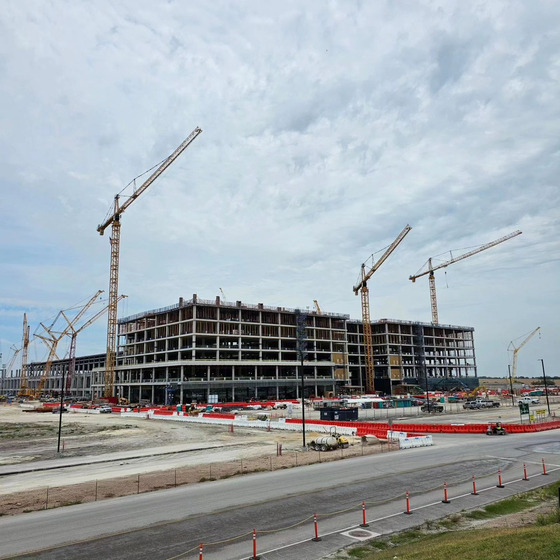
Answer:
(528, 400)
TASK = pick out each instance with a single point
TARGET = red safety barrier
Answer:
(218, 415)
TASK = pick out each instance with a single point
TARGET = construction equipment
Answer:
(54, 337)
(114, 220)
(328, 443)
(74, 336)
(361, 287)
(476, 390)
(8, 369)
(431, 269)
(317, 308)
(515, 350)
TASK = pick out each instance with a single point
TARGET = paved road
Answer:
(165, 524)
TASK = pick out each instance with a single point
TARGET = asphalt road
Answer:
(280, 505)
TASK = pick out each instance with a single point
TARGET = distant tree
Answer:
(538, 382)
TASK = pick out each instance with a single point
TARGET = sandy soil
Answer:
(138, 455)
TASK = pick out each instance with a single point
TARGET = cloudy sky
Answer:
(327, 127)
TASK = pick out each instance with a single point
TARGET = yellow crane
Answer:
(515, 350)
(431, 269)
(114, 220)
(317, 308)
(54, 338)
(73, 338)
(361, 287)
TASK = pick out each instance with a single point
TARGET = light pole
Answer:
(301, 337)
(510, 383)
(545, 386)
(61, 409)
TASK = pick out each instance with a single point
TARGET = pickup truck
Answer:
(528, 400)
(432, 407)
(480, 403)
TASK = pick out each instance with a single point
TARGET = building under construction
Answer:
(216, 351)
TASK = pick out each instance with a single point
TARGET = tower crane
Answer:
(364, 290)
(74, 336)
(115, 222)
(23, 386)
(431, 269)
(55, 337)
(515, 350)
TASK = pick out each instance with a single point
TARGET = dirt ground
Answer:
(165, 453)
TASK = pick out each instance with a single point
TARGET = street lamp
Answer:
(545, 386)
(301, 337)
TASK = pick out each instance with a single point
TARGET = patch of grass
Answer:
(407, 536)
(478, 514)
(505, 507)
(549, 518)
(360, 552)
(537, 543)
(451, 521)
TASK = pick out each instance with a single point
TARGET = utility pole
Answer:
(545, 385)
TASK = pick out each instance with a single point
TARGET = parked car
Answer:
(432, 407)
(105, 409)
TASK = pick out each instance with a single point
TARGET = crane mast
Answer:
(366, 320)
(24, 386)
(515, 349)
(431, 269)
(115, 223)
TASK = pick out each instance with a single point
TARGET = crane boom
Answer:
(115, 223)
(381, 259)
(366, 320)
(166, 163)
(74, 336)
(516, 349)
(53, 340)
(431, 269)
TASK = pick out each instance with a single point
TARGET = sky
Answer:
(328, 126)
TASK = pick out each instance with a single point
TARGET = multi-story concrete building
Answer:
(80, 385)
(221, 351)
